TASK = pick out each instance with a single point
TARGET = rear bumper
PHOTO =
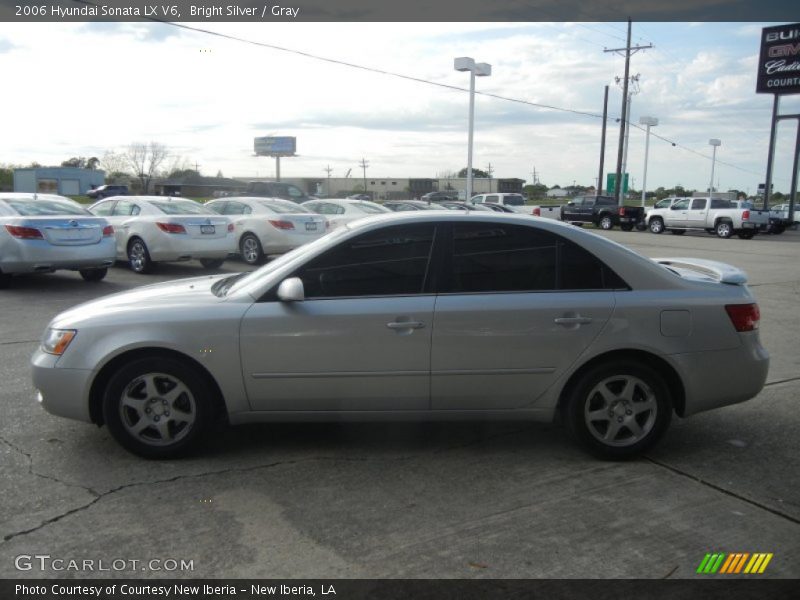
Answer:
(725, 377)
(171, 247)
(33, 256)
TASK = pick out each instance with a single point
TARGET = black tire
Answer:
(746, 235)
(139, 256)
(778, 229)
(723, 229)
(677, 231)
(656, 225)
(93, 274)
(641, 226)
(644, 407)
(250, 249)
(5, 280)
(626, 227)
(212, 263)
(171, 416)
(605, 222)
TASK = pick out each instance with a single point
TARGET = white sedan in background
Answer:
(151, 229)
(40, 233)
(266, 226)
(341, 211)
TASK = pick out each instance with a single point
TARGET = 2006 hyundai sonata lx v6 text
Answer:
(426, 315)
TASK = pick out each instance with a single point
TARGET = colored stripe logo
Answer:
(734, 563)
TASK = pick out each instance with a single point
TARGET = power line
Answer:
(410, 77)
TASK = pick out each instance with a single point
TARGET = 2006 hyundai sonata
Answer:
(426, 315)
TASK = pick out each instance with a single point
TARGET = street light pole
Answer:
(713, 142)
(649, 122)
(465, 63)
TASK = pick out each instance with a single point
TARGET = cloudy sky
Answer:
(82, 89)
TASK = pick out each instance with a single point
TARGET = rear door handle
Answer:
(573, 320)
(405, 325)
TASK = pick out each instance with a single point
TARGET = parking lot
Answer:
(445, 500)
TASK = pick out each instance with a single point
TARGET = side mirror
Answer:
(291, 290)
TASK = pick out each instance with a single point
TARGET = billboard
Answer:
(779, 61)
(275, 146)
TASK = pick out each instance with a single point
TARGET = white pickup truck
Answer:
(713, 215)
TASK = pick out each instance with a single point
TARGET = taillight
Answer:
(537, 212)
(282, 224)
(230, 227)
(621, 211)
(24, 233)
(108, 231)
(171, 227)
(745, 317)
(746, 215)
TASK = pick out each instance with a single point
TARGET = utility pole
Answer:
(599, 186)
(196, 168)
(631, 93)
(364, 164)
(629, 50)
(535, 175)
(328, 170)
(489, 172)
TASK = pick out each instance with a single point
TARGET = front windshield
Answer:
(232, 284)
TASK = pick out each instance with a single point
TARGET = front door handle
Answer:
(405, 325)
(577, 320)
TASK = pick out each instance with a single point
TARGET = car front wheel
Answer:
(139, 256)
(158, 407)
(618, 409)
(723, 229)
(605, 223)
(250, 249)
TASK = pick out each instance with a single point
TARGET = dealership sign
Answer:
(779, 62)
(275, 146)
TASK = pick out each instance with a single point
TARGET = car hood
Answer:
(170, 295)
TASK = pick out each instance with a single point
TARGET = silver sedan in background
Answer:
(41, 233)
(151, 229)
(339, 211)
(416, 315)
(266, 226)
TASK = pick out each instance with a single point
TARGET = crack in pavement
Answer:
(718, 488)
(19, 342)
(102, 495)
(31, 471)
(779, 381)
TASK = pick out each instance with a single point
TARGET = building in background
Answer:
(67, 181)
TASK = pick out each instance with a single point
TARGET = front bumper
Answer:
(61, 392)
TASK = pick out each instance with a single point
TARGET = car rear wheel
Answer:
(158, 407)
(626, 227)
(212, 263)
(139, 256)
(723, 229)
(605, 222)
(93, 274)
(618, 409)
(656, 225)
(250, 249)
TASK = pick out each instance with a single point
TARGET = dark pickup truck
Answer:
(602, 211)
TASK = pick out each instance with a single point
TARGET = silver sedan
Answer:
(40, 233)
(419, 315)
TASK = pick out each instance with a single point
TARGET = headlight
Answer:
(56, 340)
